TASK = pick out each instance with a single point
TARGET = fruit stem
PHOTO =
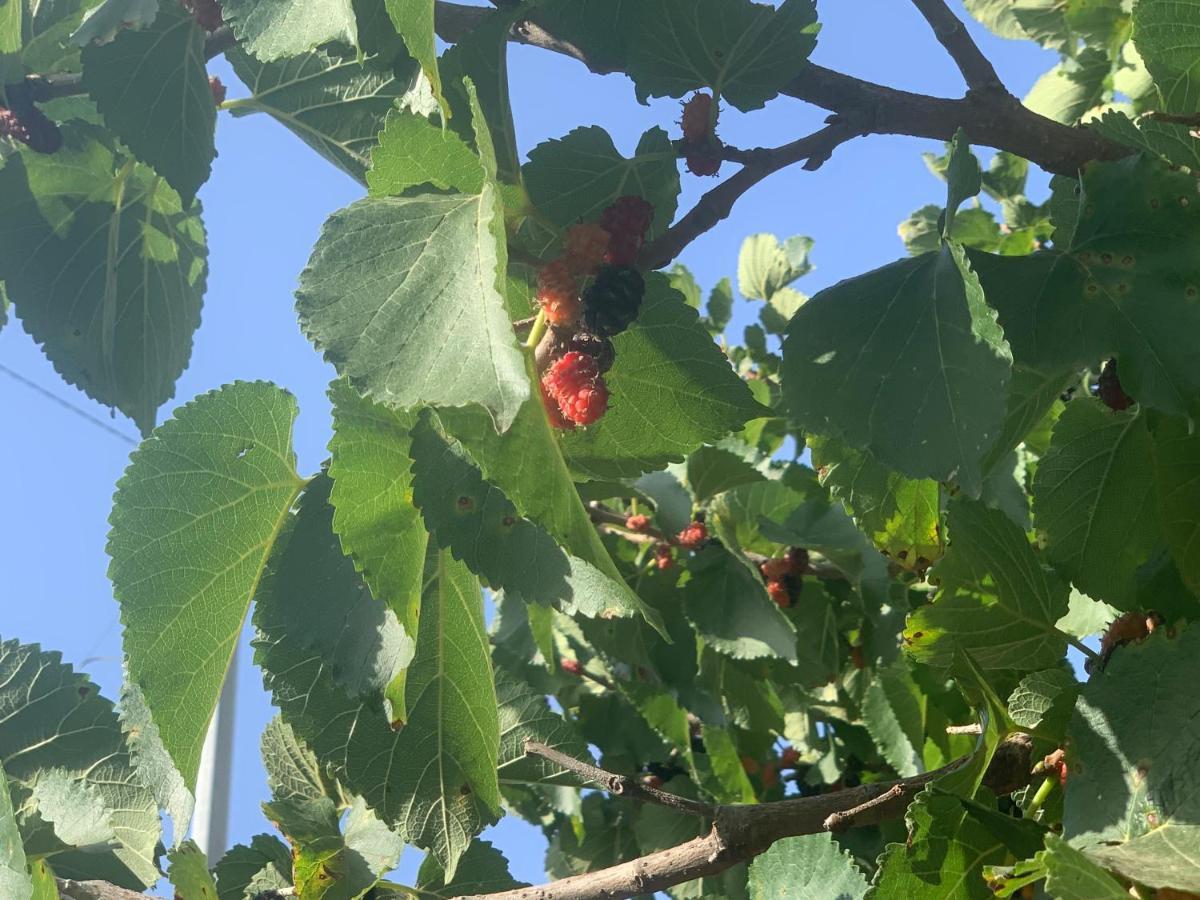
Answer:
(537, 331)
(1043, 792)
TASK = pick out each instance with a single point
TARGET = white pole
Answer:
(210, 822)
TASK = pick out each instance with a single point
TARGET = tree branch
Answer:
(976, 69)
(716, 205)
(620, 784)
(989, 118)
(95, 890)
(741, 832)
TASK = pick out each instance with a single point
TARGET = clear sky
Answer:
(264, 207)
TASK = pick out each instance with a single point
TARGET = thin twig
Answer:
(619, 784)
(604, 516)
(840, 821)
(1192, 119)
(976, 69)
(973, 728)
(716, 205)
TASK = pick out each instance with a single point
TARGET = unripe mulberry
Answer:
(774, 569)
(558, 293)
(777, 590)
(627, 215)
(218, 89)
(553, 413)
(637, 523)
(571, 666)
(693, 536)
(12, 127)
(576, 384)
(664, 557)
(585, 248)
(623, 249)
(1110, 390)
(698, 118)
(207, 13)
(598, 348)
(613, 300)
(703, 164)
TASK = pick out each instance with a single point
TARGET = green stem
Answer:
(540, 324)
(1043, 792)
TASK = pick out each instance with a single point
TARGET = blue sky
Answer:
(264, 207)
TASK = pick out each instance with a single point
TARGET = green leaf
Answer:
(526, 463)
(720, 306)
(945, 846)
(929, 406)
(482, 870)
(714, 469)
(1125, 288)
(57, 720)
(1094, 499)
(746, 52)
(525, 715)
(73, 812)
(1043, 701)
(374, 516)
(812, 867)
(271, 29)
(14, 872)
(1070, 875)
(332, 101)
(106, 20)
(332, 861)
(380, 299)
(474, 519)
(1086, 617)
(154, 765)
(727, 766)
(12, 14)
(266, 863)
(995, 600)
(1165, 35)
(434, 778)
(727, 605)
(293, 772)
(1169, 141)
(105, 267)
(212, 485)
(188, 873)
(901, 515)
(151, 87)
(765, 265)
(963, 177)
(671, 389)
(574, 178)
(1072, 88)
(1133, 803)
(413, 151)
(601, 28)
(893, 711)
(413, 20)
(1177, 476)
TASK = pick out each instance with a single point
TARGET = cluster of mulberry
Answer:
(782, 573)
(584, 318)
(22, 121)
(702, 147)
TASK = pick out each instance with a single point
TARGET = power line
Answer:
(66, 404)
